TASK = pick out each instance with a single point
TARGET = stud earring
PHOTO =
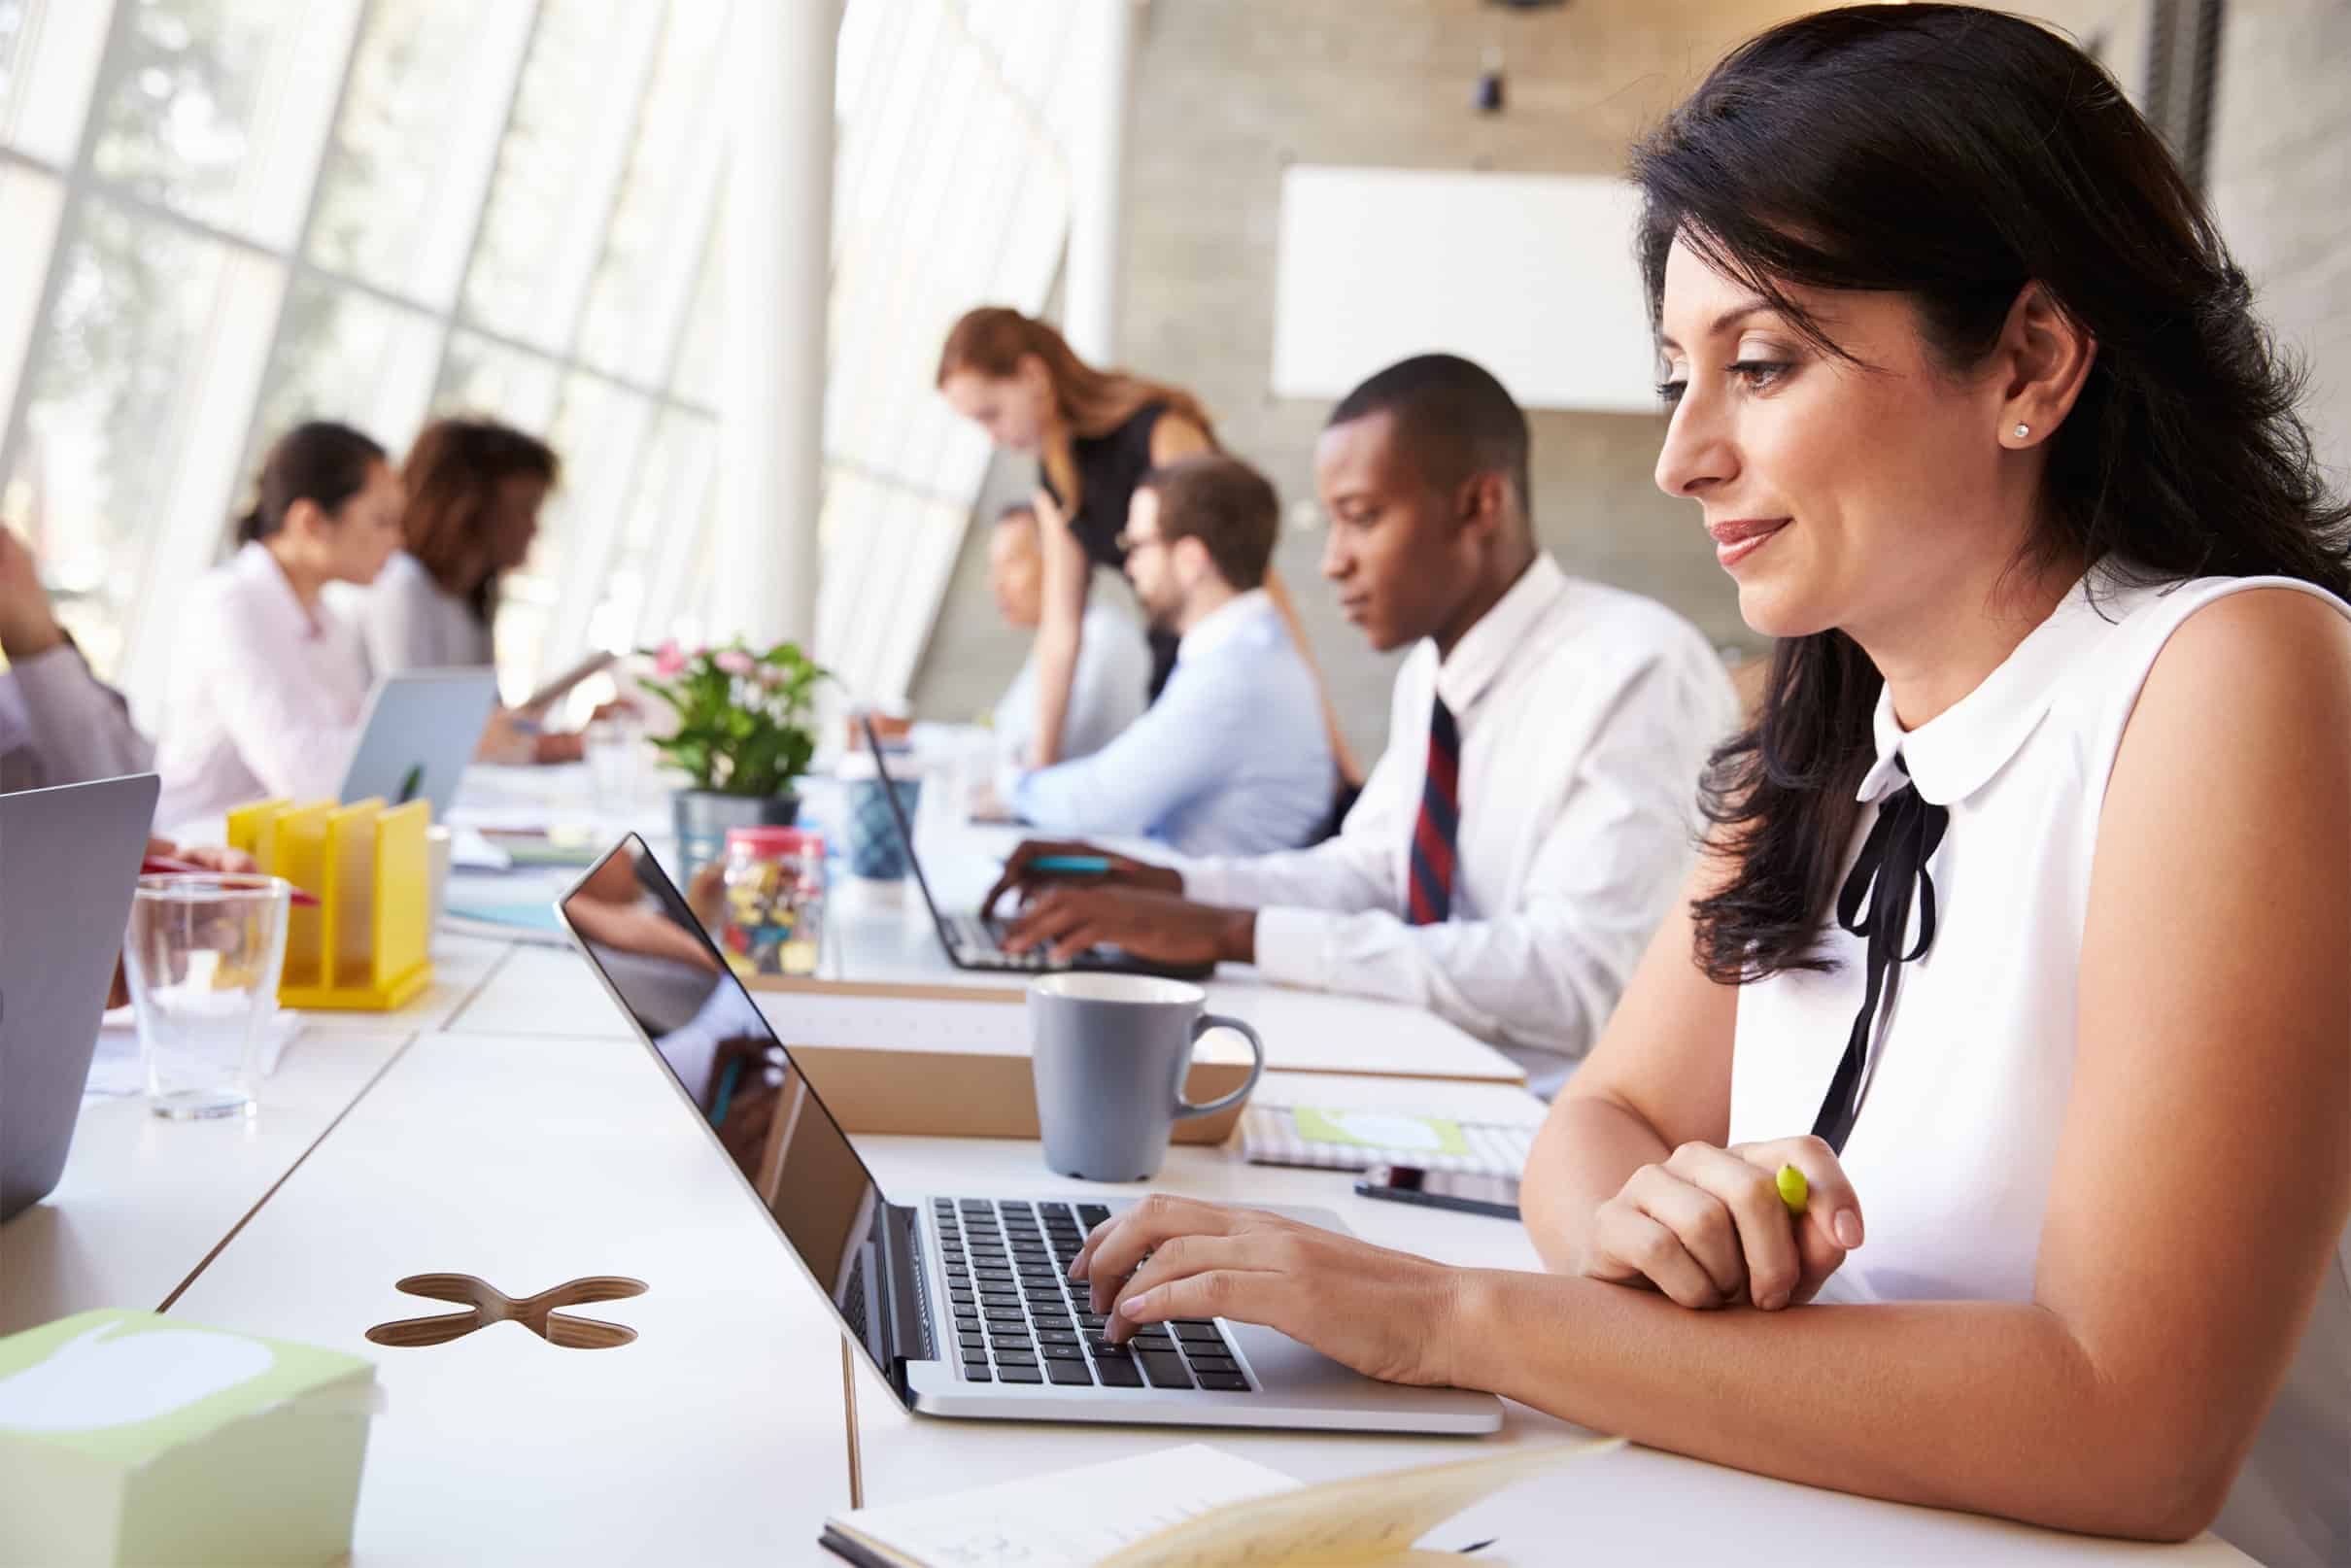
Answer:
(2023, 430)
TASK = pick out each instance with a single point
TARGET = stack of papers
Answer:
(1357, 1139)
(1192, 1507)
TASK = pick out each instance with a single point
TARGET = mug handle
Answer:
(1185, 1111)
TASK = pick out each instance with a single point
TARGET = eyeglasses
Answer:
(1129, 541)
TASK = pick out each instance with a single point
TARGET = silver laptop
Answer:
(69, 859)
(422, 727)
(963, 1304)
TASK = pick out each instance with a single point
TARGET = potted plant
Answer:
(744, 735)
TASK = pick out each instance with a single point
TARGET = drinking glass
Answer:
(203, 956)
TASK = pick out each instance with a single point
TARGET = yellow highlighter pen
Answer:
(1793, 1190)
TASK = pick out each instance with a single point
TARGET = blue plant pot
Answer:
(703, 816)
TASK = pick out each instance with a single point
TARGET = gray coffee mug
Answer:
(1110, 1053)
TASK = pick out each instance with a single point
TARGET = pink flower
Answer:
(735, 661)
(669, 658)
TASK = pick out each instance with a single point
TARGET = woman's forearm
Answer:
(1058, 635)
(1587, 1148)
(1992, 1407)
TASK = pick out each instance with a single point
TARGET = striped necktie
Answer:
(1440, 824)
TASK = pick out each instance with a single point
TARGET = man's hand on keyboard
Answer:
(1031, 868)
(1148, 923)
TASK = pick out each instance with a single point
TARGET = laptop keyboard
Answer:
(1019, 1318)
(981, 941)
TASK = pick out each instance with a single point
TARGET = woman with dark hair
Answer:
(1095, 433)
(475, 488)
(268, 683)
(2024, 925)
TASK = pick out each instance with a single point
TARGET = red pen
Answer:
(158, 866)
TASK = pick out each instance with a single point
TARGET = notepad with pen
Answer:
(1189, 1507)
(1332, 1139)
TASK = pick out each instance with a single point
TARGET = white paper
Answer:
(116, 1070)
(1199, 1507)
(1071, 1517)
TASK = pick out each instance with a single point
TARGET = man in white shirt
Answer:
(1536, 808)
(1234, 758)
(1113, 677)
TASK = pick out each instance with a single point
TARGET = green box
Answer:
(129, 1438)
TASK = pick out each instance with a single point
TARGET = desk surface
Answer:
(144, 1200)
(542, 1143)
(551, 991)
(716, 1437)
(1638, 1505)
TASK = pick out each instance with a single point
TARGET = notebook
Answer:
(1189, 1507)
(1338, 1138)
(533, 923)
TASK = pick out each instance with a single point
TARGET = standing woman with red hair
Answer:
(1095, 434)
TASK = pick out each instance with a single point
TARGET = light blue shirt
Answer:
(1232, 760)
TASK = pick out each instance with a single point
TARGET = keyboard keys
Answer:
(1007, 1272)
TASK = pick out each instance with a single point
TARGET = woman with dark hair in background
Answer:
(475, 489)
(2056, 749)
(268, 683)
(1095, 433)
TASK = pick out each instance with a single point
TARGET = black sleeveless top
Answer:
(1108, 468)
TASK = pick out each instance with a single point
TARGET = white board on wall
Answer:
(1533, 276)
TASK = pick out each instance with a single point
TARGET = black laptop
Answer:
(974, 942)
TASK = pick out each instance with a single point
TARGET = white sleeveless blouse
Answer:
(1954, 1145)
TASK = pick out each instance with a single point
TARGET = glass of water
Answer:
(610, 747)
(203, 956)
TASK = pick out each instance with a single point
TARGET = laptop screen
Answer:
(677, 989)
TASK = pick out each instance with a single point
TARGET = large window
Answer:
(227, 216)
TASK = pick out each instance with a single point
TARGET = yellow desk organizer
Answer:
(365, 946)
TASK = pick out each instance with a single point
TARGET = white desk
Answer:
(542, 1143)
(881, 932)
(716, 1437)
(551, 991)
(1637, 1505)
(143, 1201)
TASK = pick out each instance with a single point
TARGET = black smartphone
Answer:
(1494, 1195)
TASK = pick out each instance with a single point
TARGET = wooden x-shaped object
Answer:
(486, 1304)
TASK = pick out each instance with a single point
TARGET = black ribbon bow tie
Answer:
(1891, 871)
